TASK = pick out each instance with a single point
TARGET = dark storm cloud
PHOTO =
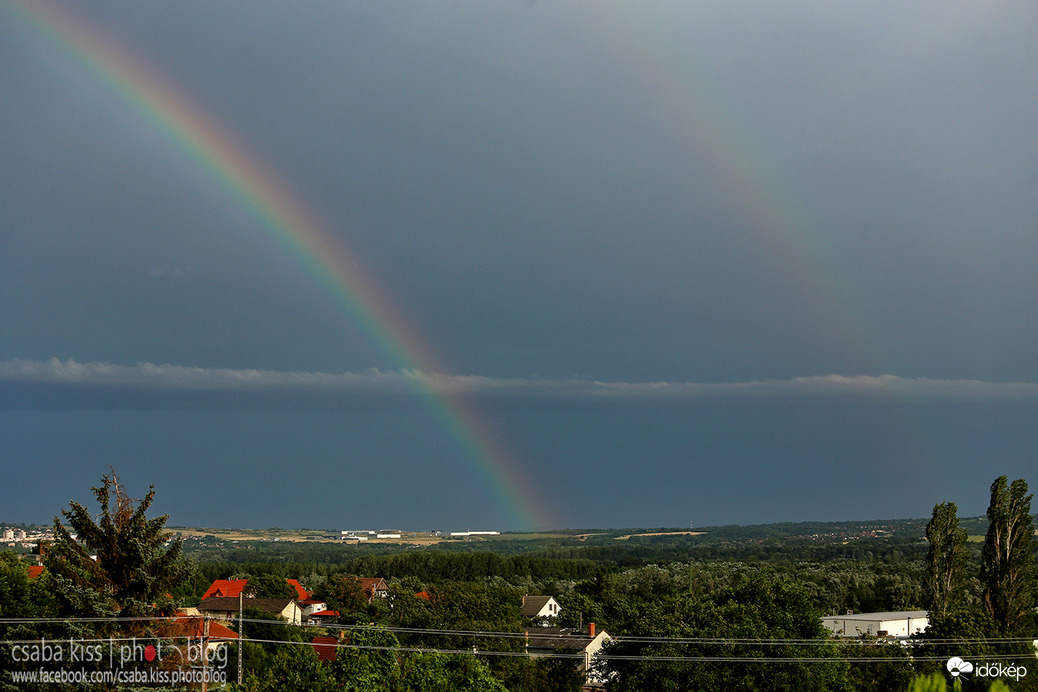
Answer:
(718, 241)
(643, 462)
(528, 196)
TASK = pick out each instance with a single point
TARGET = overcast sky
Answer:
(581, 263)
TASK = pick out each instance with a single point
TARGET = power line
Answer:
(524, 635)
(645, 657)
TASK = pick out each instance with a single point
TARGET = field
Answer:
(661, 533)
(422, 538)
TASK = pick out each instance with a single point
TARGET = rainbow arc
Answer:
(300, 233)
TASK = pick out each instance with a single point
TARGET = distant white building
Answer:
(900, 624)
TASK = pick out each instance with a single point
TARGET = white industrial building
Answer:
(900, 624)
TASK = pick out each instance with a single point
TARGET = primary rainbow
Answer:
(270, 201)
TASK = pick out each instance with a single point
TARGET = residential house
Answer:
(231, 588)
(193, 627)
(315, 611)
(225, 588)
(310, 606)
(374, 588)
(900, 624)
(301, 593)
(540, 608)
(544, 641)
(322, 616)
(227, 608)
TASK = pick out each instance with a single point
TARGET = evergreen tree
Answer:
(132, 571)
(946, 561)
(1007, 565)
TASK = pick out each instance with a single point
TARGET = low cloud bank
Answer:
(178, 378)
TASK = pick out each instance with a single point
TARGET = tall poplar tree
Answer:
(946, 561)
(1007, 568)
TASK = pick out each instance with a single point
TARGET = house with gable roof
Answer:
(226, 609)
(547, 641)
(540, 608)
(225, 588)
(322, 617)
(232, 588)
(316, 611)
(193, 628)
(374, 588)
(301, 593)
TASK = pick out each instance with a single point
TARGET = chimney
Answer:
(591, 630)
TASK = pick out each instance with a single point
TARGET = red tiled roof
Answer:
(225, 588)
(325, 648)
(194, 627)
(302, 593)
(230, 588)
(35, 571)
(325, 614)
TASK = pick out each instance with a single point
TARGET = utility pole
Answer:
(205, 651)
(241, 631)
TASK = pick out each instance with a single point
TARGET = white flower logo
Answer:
(956, 666)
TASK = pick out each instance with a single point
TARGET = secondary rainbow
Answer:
(270, 201)
(680, 96)
(775, 217)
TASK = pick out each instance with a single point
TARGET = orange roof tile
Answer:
(225, 588)
(302, 593)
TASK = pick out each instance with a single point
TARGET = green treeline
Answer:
(685, 613)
